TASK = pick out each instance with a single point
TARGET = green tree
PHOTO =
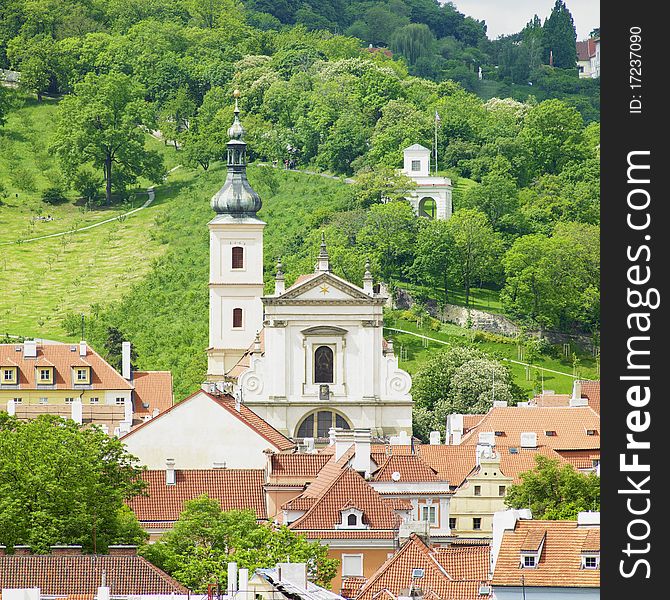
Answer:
(554, 491)
(458, 380)
(475, 247)
(560, 38)
(61, 483)
(496, 197)
(379, 185)
(205, 538)
(102, 123)
(175, 116)
(413, 41)
(434, 255)
(35, 58)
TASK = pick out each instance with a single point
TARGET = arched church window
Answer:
(323, 365)
(238, 257)
(237, 318)
(318, 424)
(352, 520)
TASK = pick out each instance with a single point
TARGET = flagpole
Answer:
(436, 117)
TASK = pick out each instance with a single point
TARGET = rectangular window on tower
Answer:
(237, 318)
(238, 257)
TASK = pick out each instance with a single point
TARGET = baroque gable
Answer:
(324, 288)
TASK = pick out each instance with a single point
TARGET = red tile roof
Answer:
(233, 488)
(560, 559)
(581, 459)
(244, 414)
(409, 467)
(586, 49)
(153, 389)
(547, 400)
(81, 575)
(570, 425)
(448, 573)
(63, 358)
(591, 391)
(346, 490)
(298, 465)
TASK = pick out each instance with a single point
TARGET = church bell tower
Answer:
(235, 261)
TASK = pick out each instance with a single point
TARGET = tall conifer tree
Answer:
(560, 38)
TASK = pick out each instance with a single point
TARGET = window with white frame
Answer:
(590, 561)
(8, 375)
(69, 400)
(45, 375)
(120, 400)
(352, 565)
(18, 400)
(351, 518)
(94, 400)
(429, 513)
(44, 400)
(528, 561)
(416, 165)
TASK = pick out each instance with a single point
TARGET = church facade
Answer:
(306, 358)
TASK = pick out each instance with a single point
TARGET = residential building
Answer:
(306, 358)
(588, 58)
(418, 570)
(546, 560)
(67, 573)
(205, 431)
(169, 489)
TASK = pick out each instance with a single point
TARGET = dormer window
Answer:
(9, 376)
(590, 561)
(352, 518)
(81, 375)
(45, 375)
(528, 561)
(550, 433)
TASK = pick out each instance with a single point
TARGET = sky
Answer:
(510, 16)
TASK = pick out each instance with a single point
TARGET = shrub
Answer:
(86, 183)
(54, 195)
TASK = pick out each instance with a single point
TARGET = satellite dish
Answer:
(395, 476)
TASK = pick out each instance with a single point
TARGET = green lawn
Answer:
(412, 351)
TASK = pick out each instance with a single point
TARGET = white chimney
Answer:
(295, 573)
(576, 390)
(435, 438)
(343, 441)
(77, 411)
(104, 593)
(487, 437)
(362, 443)
(30, 349)
(528, 439)
(232, 578)
(499, 403)
(588, 519)
(170, 473)
(82, 349)
(243, 589)
(11, 407)
(456, 438)
(125, 360)
(505, 520)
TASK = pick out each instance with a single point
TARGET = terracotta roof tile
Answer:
(410, 468)
(81, 575)
(581, 459)
(352, 534)
(233, 488)
(569, 424)
(153, 389)
(551, 400)
(591, 391)
(454, 573)
(452, 463)
(103, 375)
(348, 489)
(560, 560)
(298, 464)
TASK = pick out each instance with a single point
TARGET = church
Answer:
(305, 358)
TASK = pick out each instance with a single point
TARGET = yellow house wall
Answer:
(55, 396)
(465, 505)
(373, 558)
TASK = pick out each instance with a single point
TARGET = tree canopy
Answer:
(197, 549)
(61, 483)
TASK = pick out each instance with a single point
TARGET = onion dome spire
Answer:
(237, 198)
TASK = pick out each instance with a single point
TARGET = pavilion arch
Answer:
(427, 207)
(317, 423)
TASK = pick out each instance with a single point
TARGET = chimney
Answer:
(295, 573)
(22, 550)
(170, 473)
(125, 360)
(434, 438)
(577, 389)
(122, 550)
(232, 578)
(588, 519)
(343, 441)
(243, 588)
(30, 349)
(362, 443)
(83, 350)
(77, 411)
(104, 592)
(65, 550)
(528, 439)
(3, 550)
